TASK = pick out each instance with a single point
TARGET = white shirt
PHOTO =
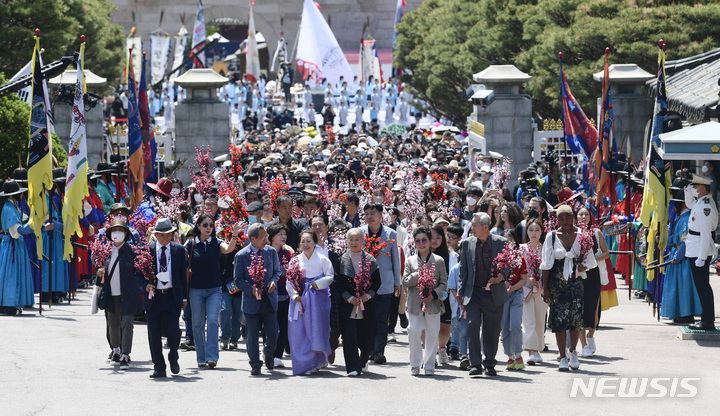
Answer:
(167, 284)
(703, 221)
(115, 277)
(316, 265)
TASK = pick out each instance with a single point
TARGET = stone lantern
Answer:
(62, 112)
(632, 110)
(201, 119)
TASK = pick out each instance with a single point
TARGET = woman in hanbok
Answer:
(309, 312)
(563, 275)
(680, 300)
(16, 284)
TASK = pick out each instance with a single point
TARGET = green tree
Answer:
(61, 22)
(443, 42)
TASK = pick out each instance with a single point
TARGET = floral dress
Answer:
(565, 286)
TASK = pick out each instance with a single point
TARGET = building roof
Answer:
(624, 74)
(501, 74)
(692, 85)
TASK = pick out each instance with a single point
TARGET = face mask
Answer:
(252, 219)
(117, 236)
(693, 191)
(533, 214)
(198, 198)
(122, 217)
(379, 199)
(470, 200)
(704, 169)
(175, 191)
(401, 208)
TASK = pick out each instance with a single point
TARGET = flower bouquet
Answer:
(296, 277)
(145, 263)
(100, 249)
(508, 259)
(585, 241)
(426, 281)
(362, 280)
(375, 246)
(257, 272)
(533, 261)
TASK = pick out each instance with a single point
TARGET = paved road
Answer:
(55, 364)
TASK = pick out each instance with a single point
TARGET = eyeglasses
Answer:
(421, 241)
(206, 225)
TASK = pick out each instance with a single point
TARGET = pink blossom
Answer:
(426, 281)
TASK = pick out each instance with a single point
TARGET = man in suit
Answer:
(259, 303)
(482, 306)
(169, 297)
(390, 284)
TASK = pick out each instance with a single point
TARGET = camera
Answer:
(551, 156)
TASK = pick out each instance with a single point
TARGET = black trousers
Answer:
(701, 277)
(163, 310)
(282, 320)
(358, 334)
(482, 312)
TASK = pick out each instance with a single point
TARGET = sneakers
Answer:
(224, 344)
(465, 363)
(188, 345)
(574, 363)
(212, 363)
(531, 359)
(353, 374)
(415, 371)
(367, 366)
(202, 365)
(380, 359)
(124, 362)
(519, 365)
(587, 351)
(454, 354)
(536, 358)
(591, 344)
(233, 345)
(391, 338)
(115, 360)
(279, 363)
(443, 356)
(510, 363)
(429, 372)
(564, 364)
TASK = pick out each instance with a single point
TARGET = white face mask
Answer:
(470, 200)
(252, 219)
(175, 191)
(122, 217)
(704, 169)
(117, 236)
(198, 198)
(693, 191)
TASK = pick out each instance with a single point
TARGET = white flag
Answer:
(198, 41)
(135, 42)
(159, 56)
(181, 41)
(252, 58)
(319, 55)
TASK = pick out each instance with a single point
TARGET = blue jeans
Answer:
(206, 304)
(512, 323)
(230, 317)
(459, 339)
(382, 308)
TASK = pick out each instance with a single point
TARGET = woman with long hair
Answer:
(534, 308)
(438, 245)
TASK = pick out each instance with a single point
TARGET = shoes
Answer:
(224, 344)
(158, 374)
(454, 354)
(174, 367)
(233, 345)
(403, 321)
(429, 372)
(366, 367)
(564, 364)
(188, 345)
(331, 358)
(212, 363)
(567, 353)
(110, 356)
(587, 351)
(591, 344)
(115, 359)
(519, 364)
(476, 371)
(202, 365)
(510, 363)
(465, 363)
(255, 371)
(124, 362)
(380, 359)
(277, 362)
(531, 359)
(269, 362)
(490, 371)
(574, 363)
(391, 338)
(702, 326)
(538, 358)
(415, 371)
(443, 356)
(353, 374)
(546, 349)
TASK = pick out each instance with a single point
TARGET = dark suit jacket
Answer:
(129, 281)
(178, 268)
(345, 284)
(466, 281)
(271, 261)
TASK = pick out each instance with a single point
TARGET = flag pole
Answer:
(51, 194)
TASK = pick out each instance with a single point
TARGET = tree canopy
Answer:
(61, 22)
(443, 42)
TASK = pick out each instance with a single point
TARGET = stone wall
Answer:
(62, 116)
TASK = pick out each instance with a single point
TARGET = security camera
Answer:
(483, 98)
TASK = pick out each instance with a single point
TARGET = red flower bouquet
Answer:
(375, 246)
(145, 263)
(509, 258)
(257, 272)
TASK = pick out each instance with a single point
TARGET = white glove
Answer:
(699, 262)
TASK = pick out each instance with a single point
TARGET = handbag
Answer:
(97, 290)
(602, 268)
(104, 296)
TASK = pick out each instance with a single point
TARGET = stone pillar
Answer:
(62, 113)
(200, 120)
(507, 117)
(632, 110)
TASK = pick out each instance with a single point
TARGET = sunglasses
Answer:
(206, 225)
(421, 241)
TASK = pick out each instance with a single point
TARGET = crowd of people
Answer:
(311, 238)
